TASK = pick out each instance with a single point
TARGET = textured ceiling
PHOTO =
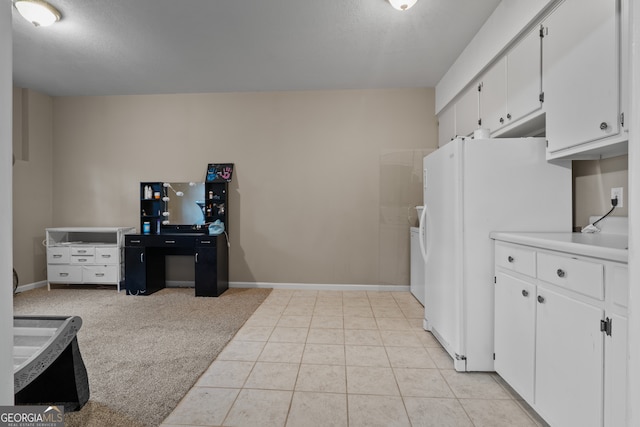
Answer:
(114, 47)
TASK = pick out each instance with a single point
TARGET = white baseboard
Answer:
(321, 286)
(270, 285)
(30, 286)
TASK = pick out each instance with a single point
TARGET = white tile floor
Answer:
(353, 358)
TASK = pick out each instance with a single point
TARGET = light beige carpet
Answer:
(142, 353)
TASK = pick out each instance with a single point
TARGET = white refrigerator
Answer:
(471, 188)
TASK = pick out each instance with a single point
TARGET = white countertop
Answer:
(612, 247)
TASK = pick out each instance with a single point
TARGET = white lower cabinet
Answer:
(515, 325)
(569, 360)
(561, 334)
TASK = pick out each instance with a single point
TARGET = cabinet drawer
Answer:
(209, 241)
(133, 240)
(99, 274)
(82, 250)
(64, 273)
(81, 259)
(57, 255)
(519, 260)
(577, 275)
(106, 255)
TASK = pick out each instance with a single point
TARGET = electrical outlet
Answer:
(619, 193)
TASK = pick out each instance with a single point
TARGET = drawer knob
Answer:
(560, 272)
(510, 258)
(540, 299)
(525, 293)
(604, 125)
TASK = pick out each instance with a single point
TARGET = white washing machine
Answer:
(417, 266)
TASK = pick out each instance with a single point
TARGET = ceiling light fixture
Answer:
(38, 12)
(402, 4)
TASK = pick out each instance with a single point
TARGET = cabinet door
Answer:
(569, 361)
(515, 321)
(580, 72)
(467, 114)
(524, 77)
(616, 373)
(446, 125)
(135, 266)
(206, 276)
(493, 97)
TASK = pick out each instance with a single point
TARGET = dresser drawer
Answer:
(64, 273)
(584, 277)
(106, 255)
(82, 250)
(100, 273)
(58, 255)
(520, 260)
(82, 259)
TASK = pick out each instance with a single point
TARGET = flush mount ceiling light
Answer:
(402, 4)
(38, 12)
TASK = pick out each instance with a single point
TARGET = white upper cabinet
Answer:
(566, 77)
(446, 125)
(460, 118)
(524, 78)
(581, 67)
(511, 87)
(493, 96)
(467, 114)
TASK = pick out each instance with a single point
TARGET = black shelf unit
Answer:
(216, 193)
(215, 206)
(151, 208)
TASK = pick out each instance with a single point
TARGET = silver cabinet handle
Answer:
(106, 256)
(169, 241)
(64, 274)
(560, 272)
(142, 258)
(57, 256)
(196, 257)
(99, 274)
(540, 299)
(510, 258)
(525, 293)
(604, 125)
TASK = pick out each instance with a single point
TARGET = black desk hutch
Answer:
(145, 253)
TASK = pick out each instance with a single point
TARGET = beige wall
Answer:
(32, 188)
(323, 185)
(592, 183)
(323, 180)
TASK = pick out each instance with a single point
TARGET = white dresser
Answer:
(77, 255)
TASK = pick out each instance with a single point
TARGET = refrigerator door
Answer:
(443, 258)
